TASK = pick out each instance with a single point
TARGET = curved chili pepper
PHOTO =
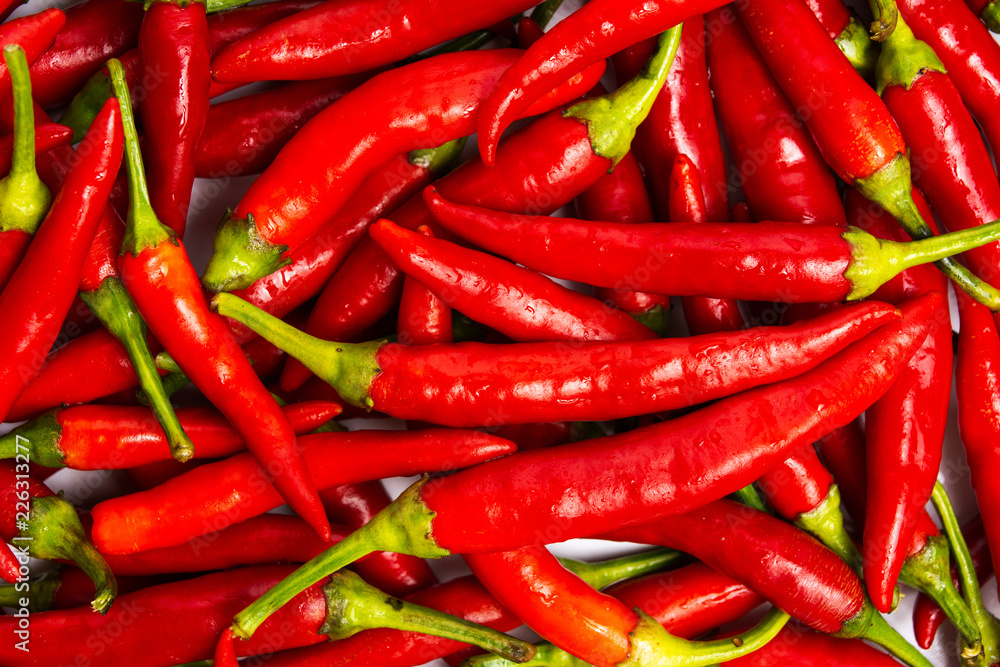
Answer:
(244, 135)
(423, 318)
(847, 31)
(354, 505)
(789, 568)
(988, 11)
(107, 437)
(157, 273)
(935, 123)
(968, 52)
(927, 615)
(217, 495)
(701, 314)
(43, 525)
(589, 35)
(436, 518)
(797, 645)
(851, 126)
(926, 567)
(543, 167)
(24, 198)
(95, 30)
(34, 33)
(174, 40)
(521, 304)
(464, 384)
(621, 196)
(786, 262)
(435, 100)
(778, 166)
(337, 38)
(39, 294)
(681, 122)
(594, 626)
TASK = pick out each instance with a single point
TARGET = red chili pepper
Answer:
(316, 260)
(846, 30)
(435, 100)
(927, 615)
(244, 135)
(786, 262)
(95, 30)
(108, 437)
(905, 428)
(34, 33)
(591, 34)
(968, 52)
(935, 123)
(988, 11)
(423, 318)
(778, 166)
(797, 645)
(41, 524)
(174, 40)
(561, 607)
(474, 384)
(542, 168)
(337, 38)
(39, 294)
(523, 500)
(157, 273)
(217, 495)
(681, 122)
(789, 568)
(521, 304)
(926, 567)
(851, 126)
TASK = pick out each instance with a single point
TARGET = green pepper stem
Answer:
(611, 119)
(117, 312)
(348, 368)
(826, 523)
(24, 199)
(855, 42)
(213, 6)
(402, 527)
(40, 437)
(886, 16)
(544, 12)
(39, 594)
(546, 655)
(748, 496)
(354, 606)
(165, 362)
(171, 382)
(604, 573)
(904, 59)
(144, 230)
(988, 627)
(991, 16)
(440, 159)
(873, 627)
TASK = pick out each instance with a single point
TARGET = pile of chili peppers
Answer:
(699, 298)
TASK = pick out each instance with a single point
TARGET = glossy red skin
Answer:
(797, 485)
(316, 260)
(667, 468)
(977, 378)
(775, 261)
(833, 15)
(423, 318)
(108, 437)
(226, 27)
(778, 166)
(34, 33)
(214, 496)
(787, 566)
(40, 292)
(341, 37)
(432, 101)
(968, 52)
(796, 645)
(849, 123)
(13, 245)
(174, 41)
(687, 204)
(476, 384)
(681, 122)
(949, 159)
(523, 305)
(621, 196)
(905, 428)
(191, 613)
(558, 604)
(95, 31)
(592, 33)
(540, 168)
(927, 615)
(464, 597)
(244, 135)
(7, 7)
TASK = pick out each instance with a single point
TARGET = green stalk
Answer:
(602, 574)
(826, 523)
(991, 16)
(24, 199)
(748, 496)
(886, 17)
(39, 594)
(353, 606)
(544, 12)
(39, 438)
(855, 43)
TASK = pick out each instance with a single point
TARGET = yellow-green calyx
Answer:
(904, 58)
(855, 43)
(240, 255)
(826, 522)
